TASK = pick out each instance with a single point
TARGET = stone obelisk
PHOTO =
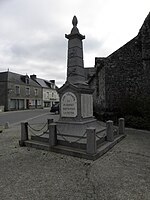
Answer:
(75, 62)
(76, 100)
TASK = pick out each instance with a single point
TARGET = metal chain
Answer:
(101, 124)
(72, 141)
(115, 130)
(101, 132)
(37, 129)
(32, 133)
(101, 136)
(98, 136)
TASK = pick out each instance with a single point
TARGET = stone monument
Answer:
(77, 132)
(76, 100)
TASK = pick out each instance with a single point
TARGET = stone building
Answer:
(49, 91)
(19, 92)
(122, 80)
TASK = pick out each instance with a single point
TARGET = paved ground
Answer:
(15, 117)
(121, 174)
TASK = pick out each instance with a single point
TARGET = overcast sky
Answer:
(32, 32)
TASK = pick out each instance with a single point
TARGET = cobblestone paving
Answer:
(30, 174)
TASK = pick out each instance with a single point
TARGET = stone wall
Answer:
(124, 76)
(89, 72)
(3, 93)
(98, 83)
(1, 108)
(22, 94)
(144, 35)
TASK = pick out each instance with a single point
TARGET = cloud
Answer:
(32, 32)
(51, 50)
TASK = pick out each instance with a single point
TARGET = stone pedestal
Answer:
(76, 109)
(76, 102)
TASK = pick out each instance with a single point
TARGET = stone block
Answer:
(52, 135)
(24, 133)
(91, 140)
(121, 126)
(109, 131)
(49, 121)
(6, 125)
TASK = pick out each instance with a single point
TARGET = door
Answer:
(27, 103)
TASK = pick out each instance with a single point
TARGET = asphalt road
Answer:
(15, 117)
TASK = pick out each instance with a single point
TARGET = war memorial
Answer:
(40, 168)
(77, 132)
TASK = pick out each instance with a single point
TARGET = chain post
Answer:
(109, 131)
(121, 126)
(91, 147)
(24, 133)
(49, 121)
(52, 134)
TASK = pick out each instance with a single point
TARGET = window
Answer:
(27, 91)
(39, 102)
(52, 85)
(17, 90)
(36, 92)
(32, 102)
(27, 79)
(47, 96)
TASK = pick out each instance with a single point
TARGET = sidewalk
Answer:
(123, 173)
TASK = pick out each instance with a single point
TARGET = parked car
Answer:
(55, 108)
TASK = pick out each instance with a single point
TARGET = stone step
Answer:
(43, 138)
(37, 145)
(57, 149)
(69, 141)
(74, 151)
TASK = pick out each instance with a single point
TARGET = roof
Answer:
(41, 82)
(16, 78)
(44, 83)
(3, 76)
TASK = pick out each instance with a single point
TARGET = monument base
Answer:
(73, 129)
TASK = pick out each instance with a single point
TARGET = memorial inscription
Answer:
(86, 105)
(68, 105)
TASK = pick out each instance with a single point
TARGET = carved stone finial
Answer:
(74, 21)
(74, 31)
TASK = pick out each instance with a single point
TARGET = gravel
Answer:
(123, 173)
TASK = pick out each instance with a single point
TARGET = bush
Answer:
(135, 111)
(137, 122)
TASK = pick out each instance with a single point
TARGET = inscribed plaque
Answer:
(69, 105)
(86, 105)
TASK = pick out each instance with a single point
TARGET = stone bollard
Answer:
(1, 128)
(121, 126)
(52, 135)
(24, 133)
(49, 121)
(91, 147)
(109, 131)
(6, 125)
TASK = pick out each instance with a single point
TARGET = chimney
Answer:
(52, 81)
(33, 77)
